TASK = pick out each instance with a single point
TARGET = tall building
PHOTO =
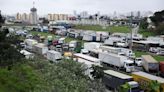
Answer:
(138, 14)
(50, 17)
(33, 16)
(84, 14)
(75, 13)
(18, 16)
(25, 17)
(56, 17)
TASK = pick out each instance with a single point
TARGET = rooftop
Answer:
(86, 57)
(149, 58)
(149, 76)
(117, 74)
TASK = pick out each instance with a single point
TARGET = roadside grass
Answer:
(122, 29)
(146, 33)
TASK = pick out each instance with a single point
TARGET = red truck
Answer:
(161, 68)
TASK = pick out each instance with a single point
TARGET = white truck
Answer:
(117, 61)
(53, 55)
(127, 52)
(29, 43)
(91, 45)
(28, 55)
(120, 51)
(40, 48)
(157, 50)
(114, 40)
(88, 61)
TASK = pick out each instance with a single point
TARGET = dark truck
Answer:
(113, 80)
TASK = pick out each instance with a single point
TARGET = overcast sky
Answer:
(68, 6)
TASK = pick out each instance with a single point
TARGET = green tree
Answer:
(125, 88)
(21, 78)
(97, 72)
(96, 85)
(2, 20)
(64, 76)
(159, 29)
(143, 23)
(10, 47)
(154, 86)
(157, 18)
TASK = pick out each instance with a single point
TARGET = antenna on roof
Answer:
(33, 4)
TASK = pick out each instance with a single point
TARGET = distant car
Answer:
(55, 42)
(20, 32)
(23, 45)
(84, 51)
(29, 36)
(157, 50)
(121, 44)
(161, 52)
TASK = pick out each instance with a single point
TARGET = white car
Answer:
(121, 44)
(138, 61)
(84, 51)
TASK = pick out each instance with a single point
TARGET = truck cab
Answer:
(129, 65)
(134, 87)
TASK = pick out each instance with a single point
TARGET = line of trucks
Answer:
(116, 57)
(113, 80)
(40, 49)
(122, 58)
(138, 81)
(117, 60)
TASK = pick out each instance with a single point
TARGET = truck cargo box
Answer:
(53, 55)
(144, 79)
(40, 48)
(150, 64)
(161, 68)
(113, 79)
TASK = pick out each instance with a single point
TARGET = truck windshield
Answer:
(130, 64)
(138, 59)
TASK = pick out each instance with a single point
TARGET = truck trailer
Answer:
(150, 64)
(113, 80)
(144, 79)
(29, 43)
(88, 61)
(53, 55)
(40, 48)
(117, 61)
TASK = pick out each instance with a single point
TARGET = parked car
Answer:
(138, 61)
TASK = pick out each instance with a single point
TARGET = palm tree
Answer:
(97, 72)
(125, 88)
(154, 86)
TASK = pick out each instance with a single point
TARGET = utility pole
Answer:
(131, 37)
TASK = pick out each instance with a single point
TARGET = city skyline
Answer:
(92, 6)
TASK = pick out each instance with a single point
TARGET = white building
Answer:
(33, 16)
